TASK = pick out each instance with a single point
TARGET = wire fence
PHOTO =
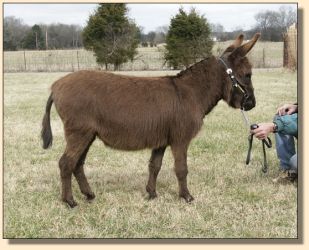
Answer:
(264, 55)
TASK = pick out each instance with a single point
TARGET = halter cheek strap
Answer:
(235, 82)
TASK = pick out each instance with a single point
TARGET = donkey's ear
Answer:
(238, 41)
(245, 48)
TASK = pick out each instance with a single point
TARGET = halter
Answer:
(235, 82)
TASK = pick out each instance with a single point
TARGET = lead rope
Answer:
(266, 142)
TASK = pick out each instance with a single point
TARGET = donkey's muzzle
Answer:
(249, 103)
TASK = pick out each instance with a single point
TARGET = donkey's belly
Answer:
(132, 140)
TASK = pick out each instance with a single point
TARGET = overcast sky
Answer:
(149, 16)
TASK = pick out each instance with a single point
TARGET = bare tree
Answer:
(217, 30)
(272, 24)
(287, 17)
(161, 33)
(151, 37)
(62, 36)
(14, 31)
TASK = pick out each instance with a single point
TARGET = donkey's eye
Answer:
(248, 76)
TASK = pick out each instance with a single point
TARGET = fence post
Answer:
(77, 59)
(264, 58)
(25, 63)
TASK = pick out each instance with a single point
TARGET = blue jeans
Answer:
(286, 152)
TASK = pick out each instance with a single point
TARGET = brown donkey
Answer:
(132, 113)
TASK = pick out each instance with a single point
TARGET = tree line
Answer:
(271, 25)
(18, 36)
(113, 36)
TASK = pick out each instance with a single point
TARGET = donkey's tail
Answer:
(46, 132)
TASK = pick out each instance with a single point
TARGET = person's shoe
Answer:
(285, 177)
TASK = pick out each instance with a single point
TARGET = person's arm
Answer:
(286, 124)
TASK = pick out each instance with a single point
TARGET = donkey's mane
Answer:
(193, 66)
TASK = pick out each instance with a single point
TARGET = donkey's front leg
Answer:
(181, 170)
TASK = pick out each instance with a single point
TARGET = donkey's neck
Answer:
(205, 81)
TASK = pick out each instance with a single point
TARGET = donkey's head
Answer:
(236, 68)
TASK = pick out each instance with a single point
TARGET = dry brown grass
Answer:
(264, 55)
(232, 200)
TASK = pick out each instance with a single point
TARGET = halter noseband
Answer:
(235, 82)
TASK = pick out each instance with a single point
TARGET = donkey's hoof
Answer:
(187, 197)
(152, 196)
(90, 196)
(71, 203)
(152, 193)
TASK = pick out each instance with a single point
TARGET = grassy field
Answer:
(264, 55)
(232, 200)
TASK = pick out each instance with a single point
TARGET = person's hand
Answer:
(287, 109)
(263, 130)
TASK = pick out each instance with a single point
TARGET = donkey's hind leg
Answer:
(80, 174)
(77, 142)
(155, 163)
(181, 170)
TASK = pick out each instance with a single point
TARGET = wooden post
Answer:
(264, 58)
(77, 59)
(46, 40)
(36, 41)
(25, 63)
